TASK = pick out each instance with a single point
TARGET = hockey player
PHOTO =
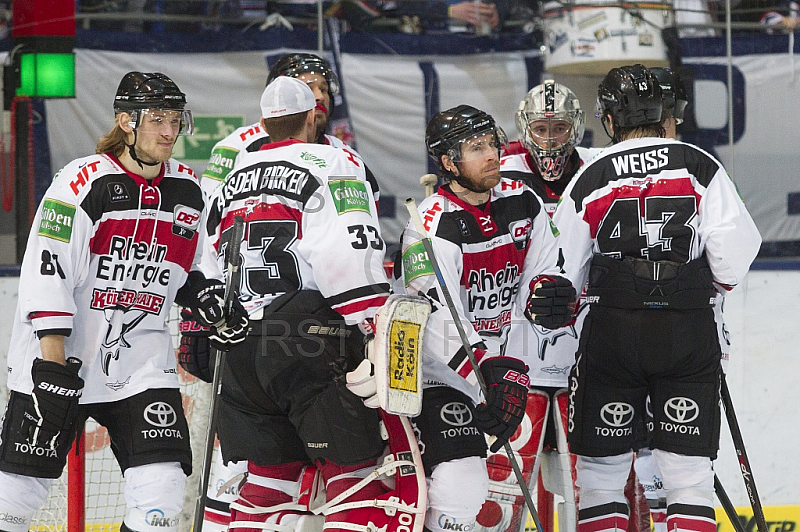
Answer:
(111, 244)
(322, 80)
(195, 355)
(550, 123)
(655, 226)
(312, 282)
(488, 233)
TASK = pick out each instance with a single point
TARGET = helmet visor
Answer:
(479, 146)
(156, 120)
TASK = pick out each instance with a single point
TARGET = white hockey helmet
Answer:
(550, 123)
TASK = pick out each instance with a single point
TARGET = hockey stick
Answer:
(233, 263)
(727, 505)
(411, 205)
(428, 181)
(744, 462)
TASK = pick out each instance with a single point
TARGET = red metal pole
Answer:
(76, 487)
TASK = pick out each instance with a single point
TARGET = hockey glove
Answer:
(506, 394)
(233, 331)
(552, 302)
(208, 303)
(56, 390)
(194, 354)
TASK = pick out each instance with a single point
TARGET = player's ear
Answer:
(124, 121)
(449, 165)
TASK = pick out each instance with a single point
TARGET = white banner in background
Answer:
(387, 101)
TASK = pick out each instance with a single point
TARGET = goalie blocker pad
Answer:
(402, 509)
(396, 353)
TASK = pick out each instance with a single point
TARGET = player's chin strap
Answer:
(132, 150)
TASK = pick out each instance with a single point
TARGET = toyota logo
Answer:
(616, 414)
(456, 414)
(681, 409)
(160, 414)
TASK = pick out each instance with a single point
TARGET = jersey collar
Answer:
(281, 144)
(483, 216)
(136, 177)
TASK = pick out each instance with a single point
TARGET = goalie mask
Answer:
(631, 95)
(550, 123)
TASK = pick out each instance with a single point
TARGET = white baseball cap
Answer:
(286, 96)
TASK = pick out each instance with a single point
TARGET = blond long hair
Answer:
(113, 142)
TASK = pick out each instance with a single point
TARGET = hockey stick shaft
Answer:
(741, 454)
(411, 205)
(727, 505)
(234, 263)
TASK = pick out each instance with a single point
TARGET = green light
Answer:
(47, 75)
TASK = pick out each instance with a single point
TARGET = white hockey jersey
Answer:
(657, 199)
(248, 139)
(106, 255)
(483, 254)
(311, 224)
(549, 353)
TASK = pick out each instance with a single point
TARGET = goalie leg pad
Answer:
(456, 492)
(275, 497)
(504, 509)
(390, 496)
(558, 471)
(154, 496)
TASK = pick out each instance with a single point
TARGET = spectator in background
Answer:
(789, 21)
(467, 16)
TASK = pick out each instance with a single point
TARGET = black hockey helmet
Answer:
(448, 129)
(146, 90)
(673, 93)
(293, 65)
(631, 95)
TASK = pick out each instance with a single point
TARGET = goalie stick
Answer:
(411, 205)
(744, 462)
(233, 263)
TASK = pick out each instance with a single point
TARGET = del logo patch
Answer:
(349, 195)
(185, 222)
(416, 262)
(57, 218)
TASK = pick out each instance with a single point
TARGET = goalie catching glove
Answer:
(506, 394)
(552, 302)
(56, 390)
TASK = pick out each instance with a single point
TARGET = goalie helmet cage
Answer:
(89, 495)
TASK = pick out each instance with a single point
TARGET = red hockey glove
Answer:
(56, 390)
(194, 354)
(552, 302)
(506, 394)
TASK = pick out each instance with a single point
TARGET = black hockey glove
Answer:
(234, 331)
(56, 390)
(552, 302)
(208, 303)
(506, 394)
(194, 354)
